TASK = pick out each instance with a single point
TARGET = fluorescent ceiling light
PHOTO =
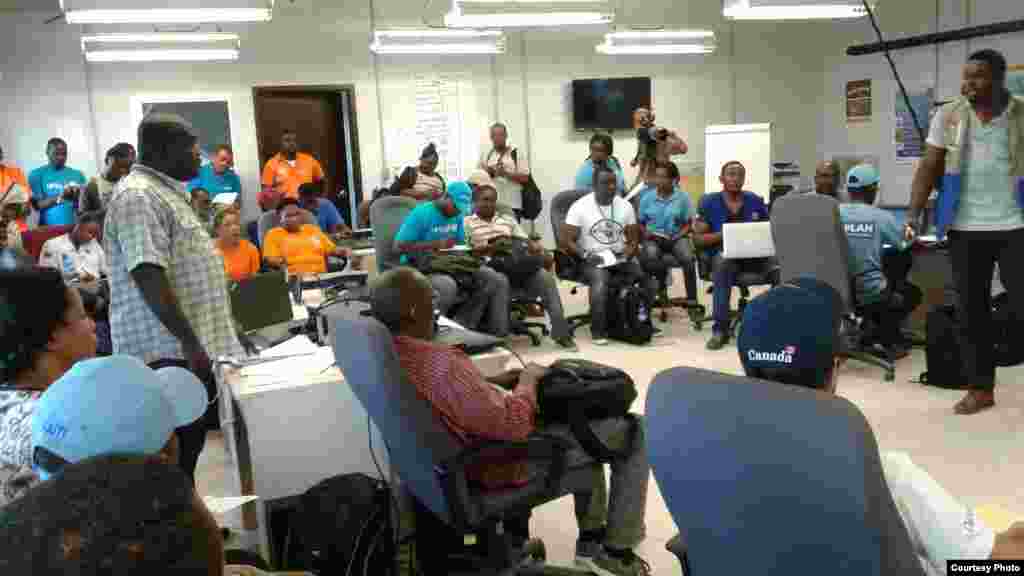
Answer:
(658, 42)
(436, 41)
(793, 9)
(525, 20)
(169, 16)
(167, 55)
(159, 38)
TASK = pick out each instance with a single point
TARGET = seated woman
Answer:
(665, 225)
(421, 183)
(44, 331)
(486, 226)
(301, 248)
(241, 258)
(601, 148)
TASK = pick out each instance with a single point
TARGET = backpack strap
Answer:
(589, 441)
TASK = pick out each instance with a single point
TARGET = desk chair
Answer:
(386, 216)
(520, 303)
(771, 479)
(567, 266)
(432, 463)
(32, 240)
(810, 241)
(744, 281)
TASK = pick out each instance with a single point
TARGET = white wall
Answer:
(938, 66)
(761, 73)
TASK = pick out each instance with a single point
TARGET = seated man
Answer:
(486, 226)
(327, 215)
(439, 225)
(940, 528)
(201, 205)
(474, 408)
(665, 226)
(603, 224)
(301, 248)
(732, 204)
(77, 254)
(826, 178)
(869, 230)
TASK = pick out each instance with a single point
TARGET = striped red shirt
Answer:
(469, 405)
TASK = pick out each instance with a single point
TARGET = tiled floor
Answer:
(973, 457)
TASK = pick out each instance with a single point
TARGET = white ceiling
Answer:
(29, 6)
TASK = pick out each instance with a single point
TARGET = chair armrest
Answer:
(537, 447)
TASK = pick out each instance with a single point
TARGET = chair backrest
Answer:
(386, 216)
(767, 478)
(810, 241)
(560, 205)
(270, 220)
(418, 443)
(32, 240)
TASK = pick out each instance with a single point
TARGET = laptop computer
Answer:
(262, 303)
(747, 240)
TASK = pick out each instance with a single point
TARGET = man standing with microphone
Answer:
(976, 147)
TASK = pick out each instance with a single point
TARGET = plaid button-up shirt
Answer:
(149, 221)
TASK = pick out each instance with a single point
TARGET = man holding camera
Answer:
(56, 187)
(654, 144)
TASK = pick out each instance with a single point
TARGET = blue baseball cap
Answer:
(862, 176)
(114, 405)
(793, 327)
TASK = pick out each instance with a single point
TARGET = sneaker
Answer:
(657, 333)
(718, 341)
(605, 564)
(567, 344)
(600, 341)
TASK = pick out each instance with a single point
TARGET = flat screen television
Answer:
(608, 104)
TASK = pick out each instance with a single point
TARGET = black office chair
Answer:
(567, 266)
(744, 282)
(771, 479)
(520, 304)
(432, 463)
(810, 241)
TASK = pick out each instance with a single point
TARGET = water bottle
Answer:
(67, 265)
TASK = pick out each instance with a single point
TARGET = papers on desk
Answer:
(312, 361)
(222, 505)
(225, 198)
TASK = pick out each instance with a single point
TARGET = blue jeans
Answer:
(724, 273)
(598, 281)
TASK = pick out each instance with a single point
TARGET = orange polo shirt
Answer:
(241, 261)
(9, 174)
(286, 178)
(304, 252)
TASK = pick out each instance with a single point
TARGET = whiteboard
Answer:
(750, 144)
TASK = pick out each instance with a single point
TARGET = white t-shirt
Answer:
(940, 527)
(87, 258)
(987, 202)
(601, 227)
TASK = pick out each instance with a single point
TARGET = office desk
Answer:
(292, 423)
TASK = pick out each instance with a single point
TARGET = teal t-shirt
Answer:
(426, 224)
(585, 175)
(664, 215)
(867, 229)
(47, 182)
(214, 184)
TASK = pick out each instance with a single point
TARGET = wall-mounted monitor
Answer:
(608, 104)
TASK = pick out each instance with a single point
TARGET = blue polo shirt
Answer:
(585, 175)
(664, 215)
(327, 216)
(215, 184)
(715, 213)
(48, 182)
(426, 224)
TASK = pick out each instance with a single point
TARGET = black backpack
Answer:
(574, 392)
(629, 314)
(942, 350)
(344, 527)
(512, 258)
(1006, 332)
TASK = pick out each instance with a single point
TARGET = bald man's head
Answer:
(403, 300)
(169, 144)
(826, 178)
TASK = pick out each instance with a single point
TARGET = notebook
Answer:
(747, 240)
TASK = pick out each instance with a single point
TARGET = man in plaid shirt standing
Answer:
(168, 290)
